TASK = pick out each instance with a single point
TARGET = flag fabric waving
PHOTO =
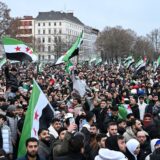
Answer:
(60, 60)
(74, 50)
(68, 67)
(17, 50)
(158, 61)
(38, 102)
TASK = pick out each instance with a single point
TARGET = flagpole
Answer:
(44, 94)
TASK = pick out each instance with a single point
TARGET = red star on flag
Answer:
(17, 48)
(27, 49)
(36, 115)
(35, 132)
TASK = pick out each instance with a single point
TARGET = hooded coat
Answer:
(132, 144)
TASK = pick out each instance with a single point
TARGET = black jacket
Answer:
(71, 156)
(11, 80)
(135, 111)
(145, 150)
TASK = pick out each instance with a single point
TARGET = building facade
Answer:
(53, 33)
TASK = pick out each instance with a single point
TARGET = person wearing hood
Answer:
(133, 147)
(153, 147)
(107, 154)
(156, 153)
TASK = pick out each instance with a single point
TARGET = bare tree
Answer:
(13, 29)
(5, 18)
(154, 37)
(59, 47)
(115, 42)
(143, 46)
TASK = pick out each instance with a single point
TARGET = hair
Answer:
(100, 136)
(120, 121)
(76, 144)
(78, 99)
(120, 137)
(41, 130)
(133, 121)
(111, 124)
(61, 130)
(55, 120)
(94, 125)
(148, 115)
(3, 117)
(89, 116)
(32, 139)
(129, 115)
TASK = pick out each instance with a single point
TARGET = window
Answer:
(54, 23)
(49, 40)
(49, 57)
(49, 48)
(42, 57)
(49, 31)
(39, 32)
(43, 49)
(55, 39)
(60, 23)
(59, 39)
(49, 23)
(39, 40)
(60, 31)
(55, 31)
(39, 24)
(43, 24)
(43, 31)
(43, 40)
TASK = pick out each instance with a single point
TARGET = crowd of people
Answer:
(104, 112)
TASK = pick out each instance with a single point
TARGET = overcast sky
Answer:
(142, 16)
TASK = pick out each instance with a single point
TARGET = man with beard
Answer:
(32, 150)
(44, 144)
(131, 131)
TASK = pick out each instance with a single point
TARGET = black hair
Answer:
(76, 144)
(55, 120)
(3, 117)
(129, 115)
(111, 124)
(100, 136)
(89, 116)
(31, 139)
(61, 130)
(41, 130)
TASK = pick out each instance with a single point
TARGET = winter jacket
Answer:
(7, 142)
(11, 80)
(12, 123)
(61, 148)
(129, 134)
(145, 149)
(72, 156)
(135, 111)
(44, 150)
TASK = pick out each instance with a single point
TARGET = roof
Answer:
(57, 15)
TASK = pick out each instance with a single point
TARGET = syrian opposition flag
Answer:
(17, 50)
(60, 60)
(158, 62)
(69, 66)
(74, 50)
(38, 107)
